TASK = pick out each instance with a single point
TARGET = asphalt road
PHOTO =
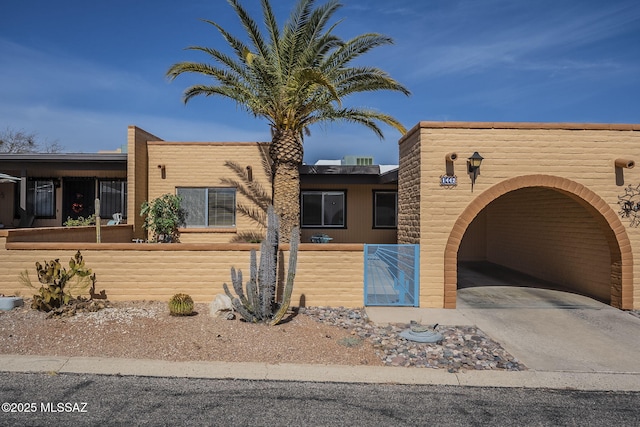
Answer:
(42, 399)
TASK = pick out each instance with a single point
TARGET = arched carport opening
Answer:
(551, 228)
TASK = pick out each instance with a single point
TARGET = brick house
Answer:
(546, 201)
(558, 201)
(351, 204)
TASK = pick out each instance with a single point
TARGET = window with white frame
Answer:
(209, 207)
(113, 198)
(385, 209)
(323, 209)
(41, 200)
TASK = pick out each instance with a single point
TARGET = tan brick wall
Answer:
(580, 156)
(181, 159)
(137, 172)
(122, 233)
(330, 278)
(409, 191)
(158, 271)
(474, 246)
(546, 234)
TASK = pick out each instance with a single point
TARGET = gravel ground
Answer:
(462, 347)
(313, 335)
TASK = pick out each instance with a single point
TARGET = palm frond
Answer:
(292, 38)
(295, 75)
(238, 68)
(236, 44)
(354, 48)
(366, 79)
(363, 116)
(251, 28)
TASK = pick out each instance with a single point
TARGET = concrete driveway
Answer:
(547, 329)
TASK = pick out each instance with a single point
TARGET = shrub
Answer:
(80, 221)
(163, 217)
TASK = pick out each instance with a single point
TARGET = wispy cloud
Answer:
(27, 74)
(522, 39)
(91, 131)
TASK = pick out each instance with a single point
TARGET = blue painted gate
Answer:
(391, 275)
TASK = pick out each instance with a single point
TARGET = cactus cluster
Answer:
(57, 284)
(181, 305)
(258, 303)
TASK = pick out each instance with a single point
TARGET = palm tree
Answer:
(293, 78)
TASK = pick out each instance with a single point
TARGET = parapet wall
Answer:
(327, 275)
(108, 234)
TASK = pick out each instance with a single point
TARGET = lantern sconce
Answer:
(163, 171)
(473, 164)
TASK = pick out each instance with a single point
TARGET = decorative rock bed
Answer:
(461, 347)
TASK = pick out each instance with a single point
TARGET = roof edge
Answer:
(209, 143)
(64, 157)
(519, 125)
(528, 125)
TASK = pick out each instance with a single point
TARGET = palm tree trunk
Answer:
(286, 153)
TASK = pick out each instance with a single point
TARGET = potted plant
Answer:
(162, 218)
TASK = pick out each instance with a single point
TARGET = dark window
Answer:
(385, 209)
(323, 209)
(113, 198)
(209, 207)
(41, 200)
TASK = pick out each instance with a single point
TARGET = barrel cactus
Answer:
(181, 305)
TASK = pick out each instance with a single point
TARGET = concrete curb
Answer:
(593, 381)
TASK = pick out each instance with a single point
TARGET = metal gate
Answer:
(391, 275)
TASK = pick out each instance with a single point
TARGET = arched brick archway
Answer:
(614, 230)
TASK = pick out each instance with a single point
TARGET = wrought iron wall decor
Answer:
(630, 204)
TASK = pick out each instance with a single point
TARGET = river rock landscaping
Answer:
(462, 348)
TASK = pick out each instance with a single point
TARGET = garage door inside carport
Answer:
(549, 234)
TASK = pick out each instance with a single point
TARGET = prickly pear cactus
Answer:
(181, 305)
(57, 285)
(257, 301)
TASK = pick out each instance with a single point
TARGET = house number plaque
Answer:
(448, 180)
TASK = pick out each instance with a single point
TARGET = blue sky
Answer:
(79, 72)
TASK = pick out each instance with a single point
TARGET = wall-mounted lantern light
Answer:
(474, 163)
